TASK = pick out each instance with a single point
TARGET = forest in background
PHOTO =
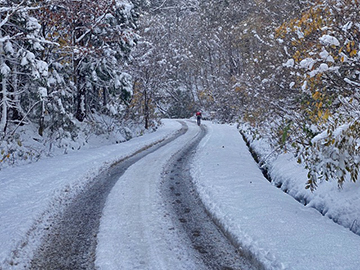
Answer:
(290, 70)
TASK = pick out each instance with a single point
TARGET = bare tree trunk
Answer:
(80, 85)
(4, 105)
(146, 110)
(15, 112)
(4, 94)
(42, 116)
(81, 103)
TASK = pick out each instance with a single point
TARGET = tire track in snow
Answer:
(191, 217)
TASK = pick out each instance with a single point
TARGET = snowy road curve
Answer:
(71, 242)
(139, 229)
(131, 205)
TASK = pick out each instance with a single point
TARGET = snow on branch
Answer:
(351, 82)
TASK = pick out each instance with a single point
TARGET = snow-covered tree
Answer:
(22, 70)
(95, 39)
(322, 47)
(63, 62)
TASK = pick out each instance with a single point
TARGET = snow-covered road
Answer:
(138, 229)
(71, 242)
(135, 230)
(268, 225)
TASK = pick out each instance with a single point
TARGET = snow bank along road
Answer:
(265, 222)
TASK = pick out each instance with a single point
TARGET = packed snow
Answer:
(267, 223)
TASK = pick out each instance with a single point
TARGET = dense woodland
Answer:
(290, 70)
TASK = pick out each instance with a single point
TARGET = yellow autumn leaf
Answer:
(237, 89)
(348, 47)
(326, 115)
(316, 95)
(296, 56)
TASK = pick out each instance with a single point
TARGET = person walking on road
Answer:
(198, 118)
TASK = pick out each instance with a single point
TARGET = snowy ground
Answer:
(341, 205)
(269, 224)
